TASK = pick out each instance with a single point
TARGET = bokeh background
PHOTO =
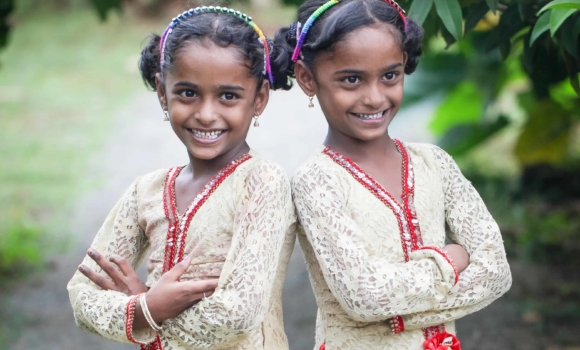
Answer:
(497, 88)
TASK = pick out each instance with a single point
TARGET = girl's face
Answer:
(359, 85)
(211, 99)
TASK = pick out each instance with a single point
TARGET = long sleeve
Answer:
(103, 312)
(488, 275)
(241, 300)
(367, 290)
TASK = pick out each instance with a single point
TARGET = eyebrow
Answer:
(231, 87)
(187, 84)
(357, 71)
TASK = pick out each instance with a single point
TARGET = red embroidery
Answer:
(406, 216)
(177, 228)
(446, 258)
(323, 346)
(130, 317)
(382, 194)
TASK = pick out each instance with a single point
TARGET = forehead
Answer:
(206, 60)
(368, 47)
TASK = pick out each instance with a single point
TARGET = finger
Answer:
(107, 266)
(201, 296)
(96, 278)
(200, 287)
(123, 264)
(175, 273)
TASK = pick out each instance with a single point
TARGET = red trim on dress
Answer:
(446, 258)
(406, 216)
(178, 226)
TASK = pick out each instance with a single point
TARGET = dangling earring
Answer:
(311, 105)
(256, 123)
(166, 119)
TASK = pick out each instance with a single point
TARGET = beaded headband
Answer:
(320, 11)
(217, 9)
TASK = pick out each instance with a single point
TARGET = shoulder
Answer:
(152, 179)
(431, 154)
(318, 170)
(263, 170)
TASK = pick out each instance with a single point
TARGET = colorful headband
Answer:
(217, 9)
(321, 10)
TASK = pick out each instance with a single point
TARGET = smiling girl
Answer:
(373, 210)
(219, 229)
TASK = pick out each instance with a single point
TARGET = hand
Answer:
(169, 297)
(125, 279)
(458, 255)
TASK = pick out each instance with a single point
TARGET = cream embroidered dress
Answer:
(380, 279)
(240, 229)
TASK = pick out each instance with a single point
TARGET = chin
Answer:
(204, 153)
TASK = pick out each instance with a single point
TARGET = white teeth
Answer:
(212, 135)
(370, 116)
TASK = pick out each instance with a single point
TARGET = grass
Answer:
(62, 77)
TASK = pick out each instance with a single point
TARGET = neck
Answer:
(359, 150)
(209, 167)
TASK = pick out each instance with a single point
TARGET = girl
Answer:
(373, 209)
(220, 228)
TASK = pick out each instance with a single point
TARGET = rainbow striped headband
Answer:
(217, 9)
(320, 11)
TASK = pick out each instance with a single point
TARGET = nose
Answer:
(207, 113)
(374, 96)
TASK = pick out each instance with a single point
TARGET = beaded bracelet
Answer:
(148, 317)
(130, 314)
(218, 9)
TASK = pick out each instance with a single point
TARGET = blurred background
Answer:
(497, 88)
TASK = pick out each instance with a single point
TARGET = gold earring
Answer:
(166, 119)
(256, 123)
(311, 105)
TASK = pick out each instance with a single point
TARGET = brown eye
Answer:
(352, 80)
(390, 76)
(188, 93)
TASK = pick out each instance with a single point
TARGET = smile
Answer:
(370, 116)
(208, 135)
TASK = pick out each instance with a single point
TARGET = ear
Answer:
(405, 58)
(160, 88)
(305, 78)
(262, 97)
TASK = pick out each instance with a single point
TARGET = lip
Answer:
(206, 141)
(371, 121)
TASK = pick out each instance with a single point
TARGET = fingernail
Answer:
(82, 268)
(91, 252)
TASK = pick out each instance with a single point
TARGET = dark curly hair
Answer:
(224, 30)
(338, 21)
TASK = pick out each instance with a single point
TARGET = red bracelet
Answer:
(130, 314)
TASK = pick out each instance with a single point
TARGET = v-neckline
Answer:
(179, 224)
(354, 169)
(404, 211)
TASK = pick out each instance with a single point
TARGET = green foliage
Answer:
(6, 8)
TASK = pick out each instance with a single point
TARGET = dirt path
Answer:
(141, 142)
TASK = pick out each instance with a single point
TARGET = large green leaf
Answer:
(561, 4)
(542, 25)
(546, 135)
(492, 5)
(568, 36)
(474, 15)
(420, 9)
(463, 105)
(450, 13)
(558, 16)
(463, 138)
